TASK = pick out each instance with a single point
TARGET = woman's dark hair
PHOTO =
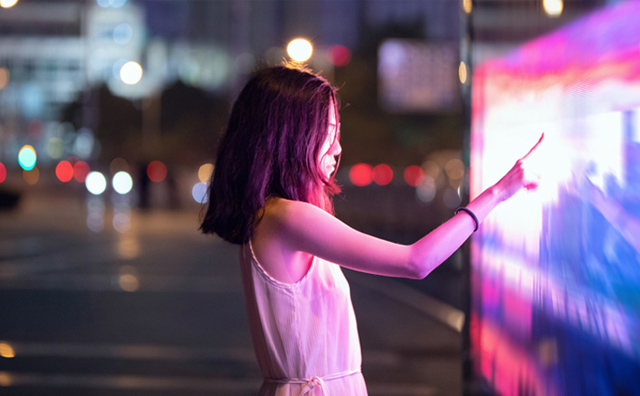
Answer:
(270, 149)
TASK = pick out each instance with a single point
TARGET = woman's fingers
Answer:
(535, 146)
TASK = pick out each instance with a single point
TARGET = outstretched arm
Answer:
(304, 227)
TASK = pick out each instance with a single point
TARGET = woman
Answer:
(271, 193)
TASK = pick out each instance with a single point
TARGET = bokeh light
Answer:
(462, 72)
(467, 5)
(199, 193)
(122, 182)
(413, 175)
(80, 171)
(118, 164)
(64, 171)
(426, 191)
(382, 174)
(128, 278)
(95, 213)
(204, 173)
(454, 169)
(431, 169)
(339, 55)
(361, 174)
(6, 379)
(553, 8)
(96, 183)
(55, 147)
(128, 246)
(131, 73)
(117, 3)
(128, 282)
(122, 33)
(7, 3)
(27, 157)
(3, 172)
(6, 350)
(31, 176)
(300, 50)
(156, 171)
(4, 77)
(122, 222)
(117, 67)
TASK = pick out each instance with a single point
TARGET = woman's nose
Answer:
(336, 148)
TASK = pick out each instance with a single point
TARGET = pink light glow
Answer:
(382, 174)
(339, 55)
(361, 174)
(64, 171)
(413, 175)
(80, 171)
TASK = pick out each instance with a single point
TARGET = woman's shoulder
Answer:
(283, 211)
(282, 223)
(290, 220)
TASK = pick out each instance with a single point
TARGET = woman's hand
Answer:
(518, 177)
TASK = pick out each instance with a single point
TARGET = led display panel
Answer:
(555, 272)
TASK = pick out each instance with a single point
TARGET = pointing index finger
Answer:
(534, 147)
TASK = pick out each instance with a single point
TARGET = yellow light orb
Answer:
(6, 350)
(128, 282)
(300, 50)
(7, 3)
(4, 77)
(553, 8)
(131, 73)
(467, 5)
(204, 173)
(31, 176)
(462, 72)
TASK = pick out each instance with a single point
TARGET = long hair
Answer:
(270, 149)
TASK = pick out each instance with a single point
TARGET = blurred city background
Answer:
(110, 115)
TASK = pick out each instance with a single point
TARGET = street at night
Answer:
(159, 310)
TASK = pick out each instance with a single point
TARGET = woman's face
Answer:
(331, 146)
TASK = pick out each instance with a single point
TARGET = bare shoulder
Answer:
(283, 214)
(289, 224)
(272, 240)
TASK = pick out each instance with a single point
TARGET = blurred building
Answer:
(51, 53)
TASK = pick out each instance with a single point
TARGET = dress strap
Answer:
(310, 384)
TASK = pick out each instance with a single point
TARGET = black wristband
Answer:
(470, 213)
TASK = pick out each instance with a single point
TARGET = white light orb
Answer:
(131, 73)
(300, 50)
(96, 183)
(122, 182)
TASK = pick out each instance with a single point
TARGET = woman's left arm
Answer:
(307, 228)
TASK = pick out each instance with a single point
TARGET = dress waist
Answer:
(310, 384)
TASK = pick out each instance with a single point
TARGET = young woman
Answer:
(271, 194)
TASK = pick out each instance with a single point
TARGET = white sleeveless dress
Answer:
(304, 334)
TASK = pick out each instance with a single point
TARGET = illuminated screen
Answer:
(555, 272)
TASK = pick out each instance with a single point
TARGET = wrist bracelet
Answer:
(470, 213)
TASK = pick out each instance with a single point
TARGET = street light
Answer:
(7, 3)
(553, 8)
(131, 73)
(300, 50)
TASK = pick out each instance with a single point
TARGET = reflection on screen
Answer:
(556, 271)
